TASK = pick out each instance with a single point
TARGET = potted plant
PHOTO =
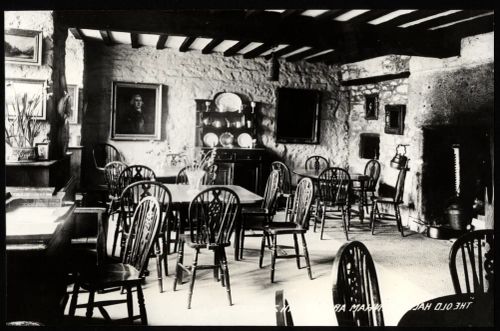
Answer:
(22, 126)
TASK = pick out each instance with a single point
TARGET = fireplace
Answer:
(438, 170)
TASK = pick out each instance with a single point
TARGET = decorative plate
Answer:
(210, 139)
(226, 139)
(245, 140)
(228, 102)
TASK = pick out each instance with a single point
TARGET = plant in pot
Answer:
(22, 126)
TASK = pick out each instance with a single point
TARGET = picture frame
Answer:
(19, 86)
(73, 91)
(371, 106)
(23, 46)
(394, 119)
(136, 111)
(42, 151)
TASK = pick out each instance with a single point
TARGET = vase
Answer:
(194, 178)
(23, 154)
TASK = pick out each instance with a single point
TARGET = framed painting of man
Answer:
(136, 111)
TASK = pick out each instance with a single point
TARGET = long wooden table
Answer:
(37, 246)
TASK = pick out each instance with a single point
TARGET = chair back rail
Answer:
(372, 169)
(112, 172)
(286, 176)
(400, 185)
(471, 262)
(104, 153)
(212, 215)
(316, 162)
(302, 203)
(271, 191)
(355, 285)
(135, 173)
(334, 186)
(144, 229)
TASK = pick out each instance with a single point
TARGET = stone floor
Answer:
(410, 270)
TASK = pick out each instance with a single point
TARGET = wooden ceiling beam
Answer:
(186, 43)
(265, 28)
(332, 13)
(301, 55)
(369, 15)
(469, 28)
(233, 50)
(134, 40)
(258, 51)
(211, 45)
(162, 40)
(283, 51)
(106, 37)
(410, 17)
(291, 13)
(448, 19)
(77, 33)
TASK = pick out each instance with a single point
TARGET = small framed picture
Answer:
(395, 119)
(371, 106)
(23, 46)
(42, 151)
(34, 89)
(73, 92)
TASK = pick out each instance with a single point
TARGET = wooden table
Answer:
(37, 249)
(456, 310)
(183, 194)
(355, 177)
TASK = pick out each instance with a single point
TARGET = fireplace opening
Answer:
(369, 146)
(438, 171)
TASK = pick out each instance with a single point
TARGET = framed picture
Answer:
(23, 46)
(42, 151)
(136, 111)
(371, 106)
(16, 88)
(73, 92)
(395, 119)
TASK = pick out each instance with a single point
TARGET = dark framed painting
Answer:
(16, 88)
(298, 116)
(371, 106)
(136, 111)
(42, 151)
(73, 92)
(23, 46)
(395, 119)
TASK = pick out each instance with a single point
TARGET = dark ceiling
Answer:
(332, 36)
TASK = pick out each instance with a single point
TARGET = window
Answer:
(369, 145)
(394, 119)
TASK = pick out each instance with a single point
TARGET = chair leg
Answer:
(225, 270)
(398, 220)
(316, 212)
(262, 245)
(297, 253)
(242, 241)
(372, 216)
(159, 271)
(130, 307)
(306, 255)
(90, 304)
(165, 253)
(274, 253)
(323, 216)
(216, 263)
(142, 306)
(193, 277)
(178, 269)
(345, 215)
(74, 298)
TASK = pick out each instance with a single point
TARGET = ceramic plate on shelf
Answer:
(226, 139)
(228, 102)
(210, 139)
(245, 140)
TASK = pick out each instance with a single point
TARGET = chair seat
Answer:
(187, 239)
(284, 228)
(383, 199)
(255, 211)
(114, 274)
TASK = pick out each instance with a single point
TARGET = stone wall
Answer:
(451, 91)
(191, 75)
